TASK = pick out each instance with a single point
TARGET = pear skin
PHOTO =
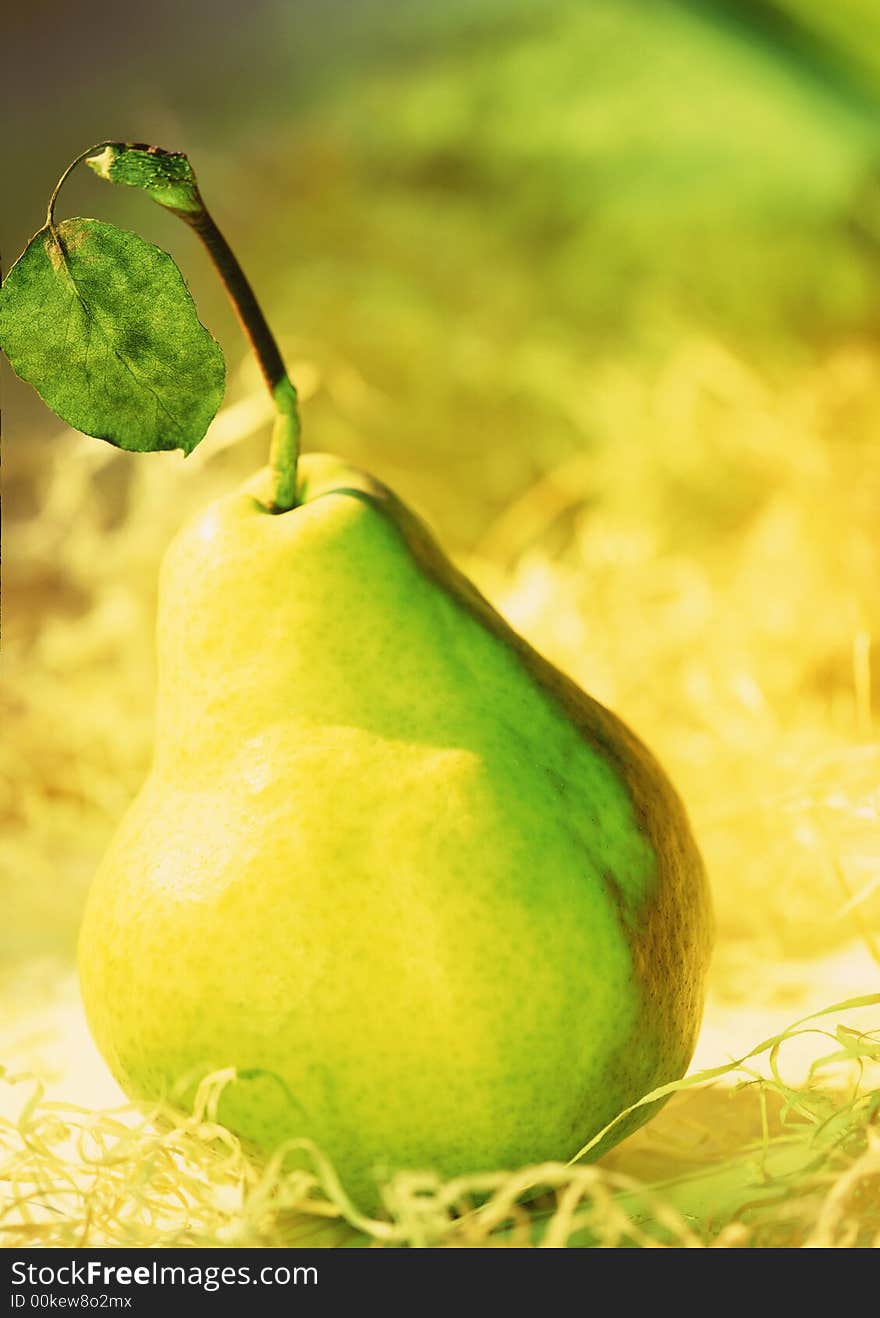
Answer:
(438, 907)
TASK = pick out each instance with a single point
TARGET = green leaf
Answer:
(165, 176)
(102, 325)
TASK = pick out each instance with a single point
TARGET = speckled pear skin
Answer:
(437, 906)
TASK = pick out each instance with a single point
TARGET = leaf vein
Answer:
(92, 319)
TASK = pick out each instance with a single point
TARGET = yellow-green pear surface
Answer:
(438, 907)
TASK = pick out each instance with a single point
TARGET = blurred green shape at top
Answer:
(716, 157)
(848, 31)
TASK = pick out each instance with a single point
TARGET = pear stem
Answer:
(284, 450)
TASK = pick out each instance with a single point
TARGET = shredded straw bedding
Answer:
(710, 571)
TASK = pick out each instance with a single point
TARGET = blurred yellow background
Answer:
(596, 287)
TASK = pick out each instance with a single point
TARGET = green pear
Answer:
(438, 907)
